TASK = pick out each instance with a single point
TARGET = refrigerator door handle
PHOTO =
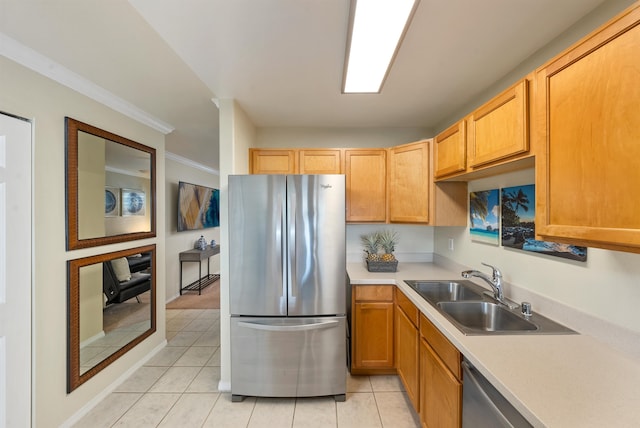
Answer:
(291, 241)
(283, 251)
(299, 327)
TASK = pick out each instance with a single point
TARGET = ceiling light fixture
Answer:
(376, 29)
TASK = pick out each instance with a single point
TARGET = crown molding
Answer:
(41, 64)
(190, 163)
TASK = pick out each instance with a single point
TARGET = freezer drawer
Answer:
(288, 357)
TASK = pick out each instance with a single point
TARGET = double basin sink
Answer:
(474, 312)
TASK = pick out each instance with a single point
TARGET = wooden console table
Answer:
(199, 256)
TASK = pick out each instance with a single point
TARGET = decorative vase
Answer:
(201, 244)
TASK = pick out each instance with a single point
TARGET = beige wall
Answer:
(91, 161)
(237, 134)
(606, 286)
(91, 303)
(176, 242)
(338, 137)
(30, 95)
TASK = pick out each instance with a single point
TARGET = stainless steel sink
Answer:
(485, 316)
(441, 291)
(473, 310)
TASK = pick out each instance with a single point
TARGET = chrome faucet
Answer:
(495, 281)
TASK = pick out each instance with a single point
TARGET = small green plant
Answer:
(371, 243)
(388, 240)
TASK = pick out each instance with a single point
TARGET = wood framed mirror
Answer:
(111, 308)
(110, 187)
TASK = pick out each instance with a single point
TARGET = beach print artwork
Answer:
(519, 228)
(484, 216)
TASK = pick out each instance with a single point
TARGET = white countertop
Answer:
(553, 380)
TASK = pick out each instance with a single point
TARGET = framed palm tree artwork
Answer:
(519, 227)
(484, 216)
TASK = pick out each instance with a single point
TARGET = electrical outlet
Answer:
(450, 244)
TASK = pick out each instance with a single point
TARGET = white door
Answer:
(15, 272)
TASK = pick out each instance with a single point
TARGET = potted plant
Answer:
(373, 243)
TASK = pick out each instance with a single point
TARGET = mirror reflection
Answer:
(110, 187)
(112, 308)
(124, 175)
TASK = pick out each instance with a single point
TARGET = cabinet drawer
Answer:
(448, 353)
(374, 293)
(408, 307)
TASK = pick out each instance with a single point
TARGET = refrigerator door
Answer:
(257, 233)
(316, 245)
(288, 357)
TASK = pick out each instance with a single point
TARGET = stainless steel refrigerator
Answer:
(287, 285)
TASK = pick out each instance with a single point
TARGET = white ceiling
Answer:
(281, 60)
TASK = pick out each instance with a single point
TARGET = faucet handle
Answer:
(496, 271)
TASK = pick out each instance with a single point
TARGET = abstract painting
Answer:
(484, 215)
(198, 207)
(519, 227)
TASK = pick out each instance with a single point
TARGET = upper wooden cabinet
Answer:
(492, 140)
(320, 161)
(382, 185)
(450, 150)
(409, 183)
(500, 128)
(588, 106)
(366, 177)
(272, 161)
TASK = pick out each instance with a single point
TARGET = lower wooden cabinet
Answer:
(407, 340)
(390, 335)
(440, 379)
(372, 329)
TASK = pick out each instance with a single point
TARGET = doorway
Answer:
(15, 270)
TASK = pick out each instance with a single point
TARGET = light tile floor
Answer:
(178, 388)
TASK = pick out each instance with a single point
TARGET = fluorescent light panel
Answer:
(376, 30)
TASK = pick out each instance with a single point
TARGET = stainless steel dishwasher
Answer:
(483, 405)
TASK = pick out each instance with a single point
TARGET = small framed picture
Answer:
(111, 202)
(133, 202)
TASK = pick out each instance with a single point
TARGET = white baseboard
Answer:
(111, 387)
(92, 339)
(224, 386)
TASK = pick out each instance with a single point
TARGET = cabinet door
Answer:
(272, 161)
(500, 128)
(441, 392)
(450, 150)
(407, 355)
(587, 177)
(366, 177)
(409, 183)
(317, 161)
(373, 335)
